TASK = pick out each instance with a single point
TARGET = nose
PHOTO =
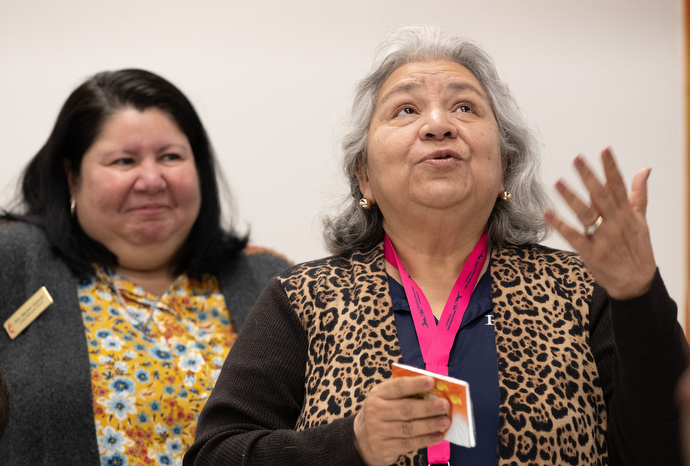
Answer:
(150, 178)
(437, 125)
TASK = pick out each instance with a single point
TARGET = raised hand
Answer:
(391, 423)
(617, 249)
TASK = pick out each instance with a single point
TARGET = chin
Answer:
(150, 235)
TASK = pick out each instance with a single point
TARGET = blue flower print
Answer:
(177, 430)
(142, 375)
(165, 459)
(113, 312)
(143, 418)
(224, 321)
(183, 393)
(105, 359)
(189, 379)
(160, 354)
(155, 406)
(121, 366)
(169, 390)
(122, 384)
(160, 429)
(86, 300)
(140, 347)
(217, 348)
(115, 460)
(112, 343)
(120, 405)
(89, 318)
(215, 312)
(174, 446)
(113, 441)
(192, 362)
(202, 316)
(180, 349)
(104, 333)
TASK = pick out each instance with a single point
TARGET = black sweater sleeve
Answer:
(640, 351)
(250, 416)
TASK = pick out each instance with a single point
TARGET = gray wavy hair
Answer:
(519, 221)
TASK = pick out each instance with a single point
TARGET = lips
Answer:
(149, 209)
(440, 155)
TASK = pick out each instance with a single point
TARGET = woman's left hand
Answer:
(618, 251)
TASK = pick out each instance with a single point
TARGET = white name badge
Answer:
(28, 312)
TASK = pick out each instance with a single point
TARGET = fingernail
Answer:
(649, 172)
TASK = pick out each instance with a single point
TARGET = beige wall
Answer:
(271, 80)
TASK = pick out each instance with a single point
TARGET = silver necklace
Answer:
(129, 312)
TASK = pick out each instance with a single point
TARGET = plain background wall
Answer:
(272, 82)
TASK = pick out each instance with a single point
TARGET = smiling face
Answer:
(433, 145)
(137, 192)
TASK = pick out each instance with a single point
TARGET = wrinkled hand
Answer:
(391, 423)
(619, 253)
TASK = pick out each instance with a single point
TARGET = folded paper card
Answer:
(457, 392)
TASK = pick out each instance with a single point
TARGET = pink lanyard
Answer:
(436, 341)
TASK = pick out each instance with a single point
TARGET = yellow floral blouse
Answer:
(152, 372)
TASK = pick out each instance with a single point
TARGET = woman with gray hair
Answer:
(571, 358)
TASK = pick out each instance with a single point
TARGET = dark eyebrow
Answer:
(162, 149)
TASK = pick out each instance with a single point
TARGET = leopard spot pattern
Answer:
(552, 408)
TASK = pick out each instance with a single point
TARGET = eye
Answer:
(464, 108)
(123, 161)
(406, 111)
(170, 157)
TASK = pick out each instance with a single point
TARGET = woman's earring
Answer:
(364, 203)
(72, 207)
(506, 196)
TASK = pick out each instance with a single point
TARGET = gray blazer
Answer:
(48, 364)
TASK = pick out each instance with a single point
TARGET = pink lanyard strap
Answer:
(436, 341)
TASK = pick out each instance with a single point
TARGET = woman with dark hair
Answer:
(570, 358)
(120, 220)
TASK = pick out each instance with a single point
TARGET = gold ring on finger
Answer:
(590, 229)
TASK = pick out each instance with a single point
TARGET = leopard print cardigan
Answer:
(552, 408)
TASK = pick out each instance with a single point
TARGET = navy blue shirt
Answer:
(472, 359)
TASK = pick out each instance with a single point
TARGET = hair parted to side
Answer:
(44, 199)
(519, 221)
